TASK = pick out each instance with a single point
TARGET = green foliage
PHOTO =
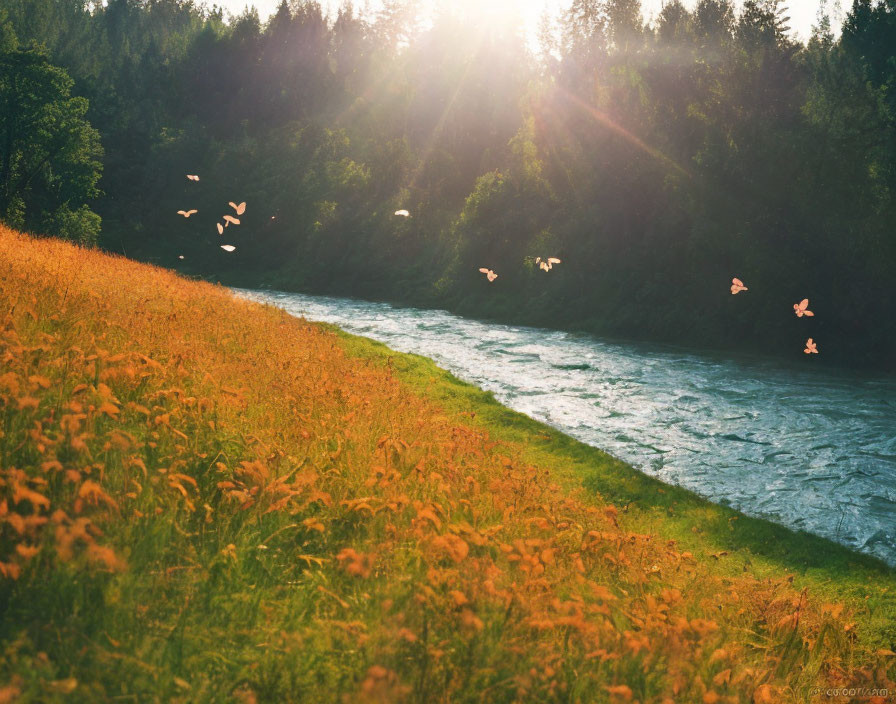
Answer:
(48, 151)
(81, 225)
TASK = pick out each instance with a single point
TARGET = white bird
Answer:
(489, 274)
(403, 213)
(187, 213)
(193, 177)
(240, 209)
(220, 228)
(546, 264)
(180, 256)
(228, 247)
(231, 219)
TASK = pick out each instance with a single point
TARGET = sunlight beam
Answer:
(610, 124)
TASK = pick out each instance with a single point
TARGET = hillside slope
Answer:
(204, 499)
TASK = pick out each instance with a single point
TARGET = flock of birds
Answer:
(227, 219)
(545, 264)
(801, 309)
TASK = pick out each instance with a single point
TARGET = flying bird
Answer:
(231, 219)
(220, 228)
(811, 347)
(187, 213)
(228, 247)
(737, 285)
(489, 274)
(403, 213)
(546, 264)
(240, 209)
(180, 256)
(800, 308)
(193, 177)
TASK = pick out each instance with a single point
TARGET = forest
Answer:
(655, 160)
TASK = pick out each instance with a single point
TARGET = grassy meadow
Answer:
(203, 499)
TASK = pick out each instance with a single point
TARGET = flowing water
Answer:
(805, 447)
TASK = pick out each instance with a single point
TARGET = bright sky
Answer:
(802, 13)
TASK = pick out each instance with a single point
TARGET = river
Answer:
(806, 447)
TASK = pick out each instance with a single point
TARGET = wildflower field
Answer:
(203, 499)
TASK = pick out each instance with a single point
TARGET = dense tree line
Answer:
(658, 161)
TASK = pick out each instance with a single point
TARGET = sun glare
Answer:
(504, 11)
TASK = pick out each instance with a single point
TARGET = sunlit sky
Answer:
(802, 13)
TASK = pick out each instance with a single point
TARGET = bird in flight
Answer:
(811, 347)
(403, 213)
(546, 264)
(489, 274)
(240, 209)
(231, 219)
(193, 177)
(228, 247)
(180, 256)
(187, 213)
(220, 228)
(800, 308)
(737, 285)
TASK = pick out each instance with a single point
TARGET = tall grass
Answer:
(203, 499)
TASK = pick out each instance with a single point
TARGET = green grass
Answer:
(753, 545)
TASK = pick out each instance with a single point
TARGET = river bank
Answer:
(805, 447)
